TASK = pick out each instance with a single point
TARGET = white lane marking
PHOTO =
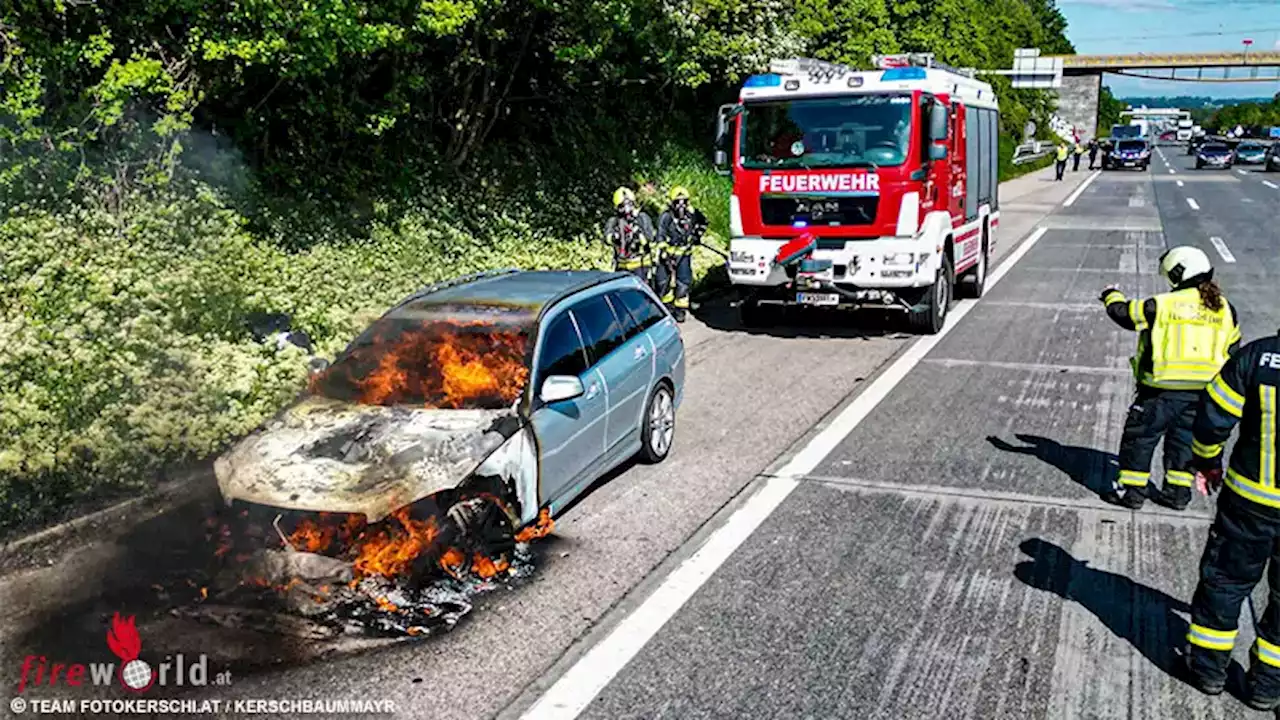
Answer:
(1222, 249)
(1193, 204)
(1270, 184)
(1029, 367)
(1180, 183)
(581, 683)
(1071, 200)
(1172, 171)
(1243, 172)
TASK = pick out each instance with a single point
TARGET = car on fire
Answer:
(524, 386)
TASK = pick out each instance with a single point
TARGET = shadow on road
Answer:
(1093, 469)
(1147, 618)
(721, 313)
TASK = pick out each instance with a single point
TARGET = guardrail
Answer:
(1029, 151)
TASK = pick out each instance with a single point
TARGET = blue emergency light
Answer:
(770, 80)
(903, 73)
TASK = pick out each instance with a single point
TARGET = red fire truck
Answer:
(861, 188)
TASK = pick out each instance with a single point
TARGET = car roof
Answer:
(530, 289)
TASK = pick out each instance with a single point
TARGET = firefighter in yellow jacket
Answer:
(1184, 338)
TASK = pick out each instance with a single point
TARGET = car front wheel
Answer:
(659, 430)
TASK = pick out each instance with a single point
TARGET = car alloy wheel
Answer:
(662, 421)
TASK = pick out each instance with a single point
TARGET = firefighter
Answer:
(1246, 529)
(630, 233)
(680, 228)
(1184, 337)
(1061, 158)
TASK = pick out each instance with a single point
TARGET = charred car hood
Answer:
(330, 456)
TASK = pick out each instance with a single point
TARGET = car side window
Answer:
(562, 351)
(642, 308)
(601, 330)
(630, 328)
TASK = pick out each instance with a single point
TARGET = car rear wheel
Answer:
(659, 429)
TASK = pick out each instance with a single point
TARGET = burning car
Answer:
(458, 424)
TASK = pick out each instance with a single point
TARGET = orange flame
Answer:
(390, 552)
(487, 567)
(541, 529)
(436, 365)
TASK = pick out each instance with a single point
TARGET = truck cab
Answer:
(887, 178)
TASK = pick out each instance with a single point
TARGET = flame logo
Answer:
(122, 638)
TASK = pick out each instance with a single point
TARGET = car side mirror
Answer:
(558, 388)
(937, 152)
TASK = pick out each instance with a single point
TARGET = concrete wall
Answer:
(1078, 104)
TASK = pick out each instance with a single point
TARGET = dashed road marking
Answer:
(1270, 184)
(1222, 249)
(1180, 183)
(1194, 205)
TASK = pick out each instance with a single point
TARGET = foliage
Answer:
(1255, 116)
(1109, 109)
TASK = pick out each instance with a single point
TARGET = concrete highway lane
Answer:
(950, 557)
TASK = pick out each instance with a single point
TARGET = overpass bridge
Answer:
(1078, 78)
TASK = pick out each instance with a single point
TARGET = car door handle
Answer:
(593, 391)
(641, 352)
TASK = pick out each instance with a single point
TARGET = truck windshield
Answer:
(864, 130)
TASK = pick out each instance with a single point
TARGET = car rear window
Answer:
(601, 329)
(428, 355)
(1215, 148)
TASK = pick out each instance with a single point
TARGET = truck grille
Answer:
(819, 210)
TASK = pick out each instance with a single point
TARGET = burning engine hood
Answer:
(329, 456)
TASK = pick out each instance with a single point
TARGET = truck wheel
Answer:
(974, 281)
(938, 300)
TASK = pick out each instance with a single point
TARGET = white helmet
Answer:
(1183, 263)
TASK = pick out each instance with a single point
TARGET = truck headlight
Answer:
(902, 258)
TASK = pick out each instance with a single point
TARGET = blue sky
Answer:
(1131, 26)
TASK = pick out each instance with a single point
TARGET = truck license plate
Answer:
(818, 298)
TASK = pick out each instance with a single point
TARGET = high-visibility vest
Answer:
(1188, 342)
(1062, 152)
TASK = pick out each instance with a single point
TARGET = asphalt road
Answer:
(751, 397)
(950, 556)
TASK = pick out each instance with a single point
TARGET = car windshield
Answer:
(1130, 146)
(434, 355)
(1249, 147)
(1215, 148)
(864, 130)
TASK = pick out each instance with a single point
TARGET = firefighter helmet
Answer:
(678, 193)
(1183, 263)
(622, 195)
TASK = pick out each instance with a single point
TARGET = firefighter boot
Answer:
(1174, 497)
(1133, 498)
(1205, 685)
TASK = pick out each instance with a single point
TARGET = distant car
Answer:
(1272, 162)
(1128, 153)
(1214, 154)
(1251, 153)
(520, 385)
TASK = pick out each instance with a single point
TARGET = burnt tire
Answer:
(974, 281)
(658, 428)
(937, 301)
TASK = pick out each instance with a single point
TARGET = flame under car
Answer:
(480, 408)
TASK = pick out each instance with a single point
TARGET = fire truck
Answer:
(861, 188)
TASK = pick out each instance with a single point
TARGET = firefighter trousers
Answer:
(1153, 416)
(1243, 538)
(677, 297)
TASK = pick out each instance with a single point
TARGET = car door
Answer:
(571, 433)
(657, 325)
(624, 357)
